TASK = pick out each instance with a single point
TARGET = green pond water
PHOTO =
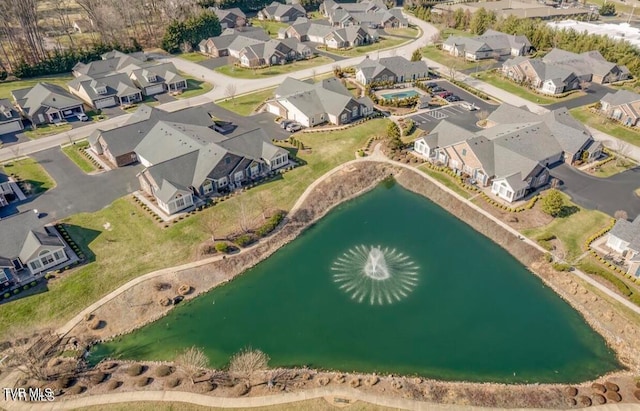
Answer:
(436, 299)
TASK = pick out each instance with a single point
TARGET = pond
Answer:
(391, 283)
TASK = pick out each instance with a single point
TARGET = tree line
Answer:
(541, 35)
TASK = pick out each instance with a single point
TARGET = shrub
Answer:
(244, 240)
(164, 370)
(16, 291)
(222, 247)
(184, 289)
(547, 237)
(548, 257)
(26, 287)
(571, 391)
(172, 382)
(76, 390)
(613, 396)
(271, 224)
(143, 381)
(98, 377)
(64, 382)
(561, 266)
(610, 386)
(113, 384)
(7, 295)
(135, 369)
(598, 399)
(33, 283)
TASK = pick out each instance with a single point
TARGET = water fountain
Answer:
(375, 274)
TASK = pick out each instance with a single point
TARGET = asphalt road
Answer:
(604, 194)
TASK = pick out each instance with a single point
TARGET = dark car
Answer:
(431, 85)
(452, 98)
(437, 89)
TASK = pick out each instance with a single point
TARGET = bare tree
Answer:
(436, 38)
(621, 215)
(230, 92)
(192, 360)
(622, 151)
(247, 362)
(262, 201)
(242, 216)
(210, 224)
(452, 71)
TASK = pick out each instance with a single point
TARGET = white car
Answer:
(82, 117)
(468, 106)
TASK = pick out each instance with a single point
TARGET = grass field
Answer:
(32, 173)
(448, 32)
(7, 87)
(318, 404)
(383, 43)
(247, 73)
(195, 87)
(606, 125)
(513, 88)
(245, 104)
(613, 167)
(572, 230)
(73, 152)
(404, 31)
(271, 27)
(442, 57)
(47, 130)
(447, 180)
(194, 57)
(125, 252)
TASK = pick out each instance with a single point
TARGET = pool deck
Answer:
(385, 93)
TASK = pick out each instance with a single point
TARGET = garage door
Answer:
(10, 127)
(158, 88)
(105, 102)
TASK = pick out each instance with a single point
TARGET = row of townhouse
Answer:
(282, 12)
(561, 71)
(184, 158)
(253, 47)
(323, 33)
(393, 69)
(622, 106)
(513, 154)
(312, 104)
(367, 13)
(491, 44)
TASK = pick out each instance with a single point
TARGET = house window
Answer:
(227, 160)
(45, 257)
(180, 201)
(255, 169)
(58, 255)
(343, 117)
(35, 264)
(464, 151)
(238, 176)
(222, 182)
(207, 187)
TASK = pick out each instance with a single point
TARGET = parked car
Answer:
(437, 89)
(444, 94)
(468, 106)
(284, 123)
(452, 98)
(293, 127)
(82, 117)
(431, 85)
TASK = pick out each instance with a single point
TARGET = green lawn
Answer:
(382, 43)
(36, 179)
(193, 57)
(125, 252)
(443, 57)
(613, 167)
(247, 73)
(271, 27)
(73, 151)
(7, 87)
(47, 130)
(245, 104)
(572, 230)
(513, 88)
(448, 32)
(601, 123)
(404, 31)
(447, 180)
(195, 87)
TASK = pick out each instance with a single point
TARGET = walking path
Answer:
(271, 400)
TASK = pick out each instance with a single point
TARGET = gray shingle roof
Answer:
(621, 97)
(16, 239)
(7, 112)
(118, 84)
(44, 96)
(629, 232)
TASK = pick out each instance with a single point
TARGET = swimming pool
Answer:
(400, 95)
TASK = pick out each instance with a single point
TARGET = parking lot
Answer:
(453, 112)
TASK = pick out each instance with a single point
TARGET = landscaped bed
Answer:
(74, 152)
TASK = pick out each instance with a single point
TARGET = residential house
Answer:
(321, 32)
(513, 154)
(561, 71)
(148, 76)
(241, 37)
(624, 239)
(327, 101)
(184, 161)
(273, 52)
(28, 246)
(282, 12)
(108, 91)
(491, 44)
(368, 13)
(395, 69)
(230, 18)
(46, 103)
(623, 106)
(118, 144)
(10, 120)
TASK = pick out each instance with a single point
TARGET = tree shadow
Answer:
(566, 211)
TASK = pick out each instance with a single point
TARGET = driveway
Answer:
(75, 191)
(214, 62)
(604, 194)
(594, 94)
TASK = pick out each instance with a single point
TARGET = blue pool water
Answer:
(400, 95)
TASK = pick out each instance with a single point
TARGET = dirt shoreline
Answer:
(139, 305)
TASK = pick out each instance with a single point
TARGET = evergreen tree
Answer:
(608, 9)
(417, 55)
(553, 203)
